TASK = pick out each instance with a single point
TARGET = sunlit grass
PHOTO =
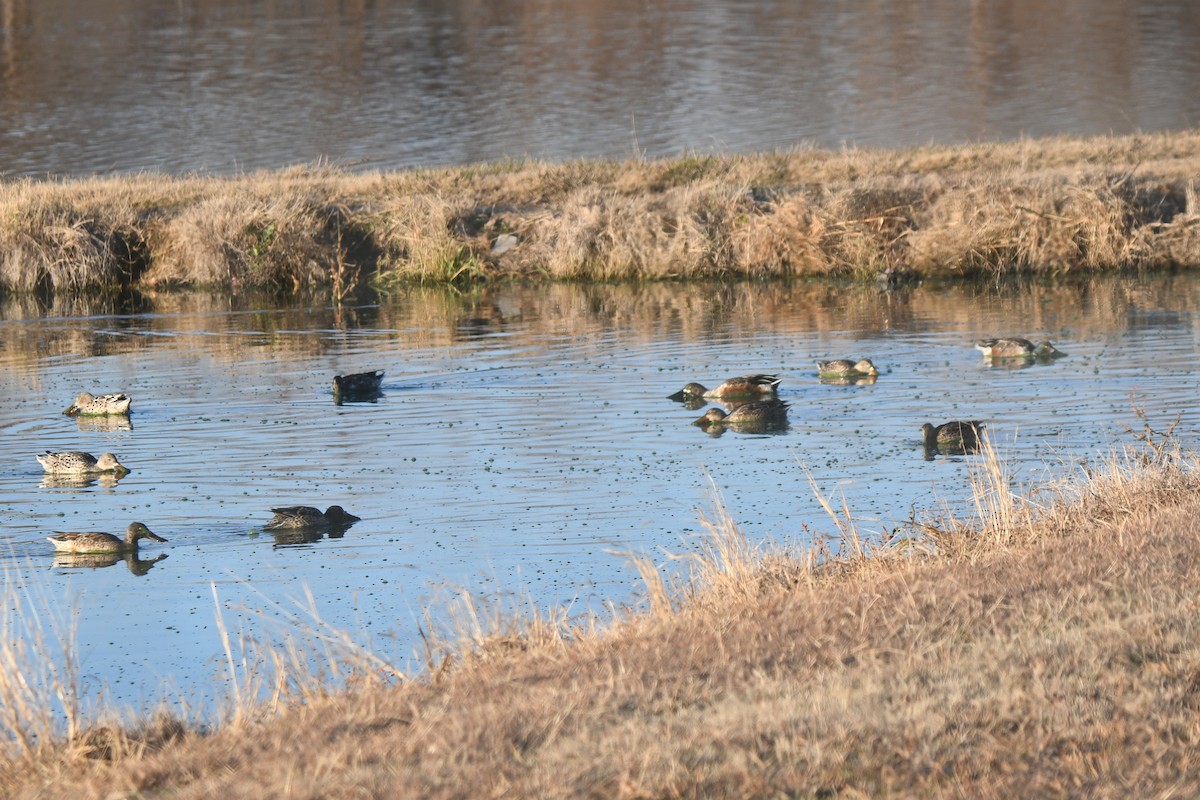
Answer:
(850, 664)
(1046, 206)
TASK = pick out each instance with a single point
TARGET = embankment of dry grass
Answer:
(1051, 647)
(1051, 205)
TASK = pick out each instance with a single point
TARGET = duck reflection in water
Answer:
(846, 380)
(109, 424)
(294, 537)
(138, 566)
(105, 480)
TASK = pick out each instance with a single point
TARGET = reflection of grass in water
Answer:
(435, 316)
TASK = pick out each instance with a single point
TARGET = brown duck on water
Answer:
(103, 542)
(956, 434)
(746, 386)
(1016, 347)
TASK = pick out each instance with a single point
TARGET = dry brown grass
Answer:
(1049, 206)
(1051, 647)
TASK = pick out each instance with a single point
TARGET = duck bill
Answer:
(152, 535)
(71, 410)
(678, 397)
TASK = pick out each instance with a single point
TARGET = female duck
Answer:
(95, 543)
(959, 435)
(89, 405)
(845, 368)
(76, 463)
(759, 413)
(747, 386)
(309, 517)
(1016, 347)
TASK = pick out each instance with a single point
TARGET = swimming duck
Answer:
(845, 368)
(745, 386)
(760, 413)
(1016, 347)
(358, 383)
(76, 463)
(98, 405)
(103, 542)
(952, 434)
(309, 517)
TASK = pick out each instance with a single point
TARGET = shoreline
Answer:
(1049, 646)
(1048, 206)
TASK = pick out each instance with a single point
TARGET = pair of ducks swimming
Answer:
(75, 462)
(119, 403)
(286, 518)
(963, 436)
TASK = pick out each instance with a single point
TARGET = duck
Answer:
(90, 405)
(358, 383)
(88, 543)
(77, 463)
(760, 413)
(956, 434)
(845, 368)
(1016, 347)
(309, 517)
(746, 386)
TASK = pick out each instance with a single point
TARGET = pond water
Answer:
(523, 438)
(231, 85)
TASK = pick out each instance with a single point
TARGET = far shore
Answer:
(1044, 206)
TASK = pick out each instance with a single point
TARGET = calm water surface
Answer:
(223, 86)
(523, 439)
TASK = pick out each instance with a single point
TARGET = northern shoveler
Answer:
(845, 368)
(952, 434)
(103, 542)
(1016, 347)
(360, 383)
(309, 517)
(90, 405)
(76, 463)
(747, 386)
(759, 413)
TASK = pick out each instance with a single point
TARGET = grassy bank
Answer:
(1051, 646)
(1051, 205)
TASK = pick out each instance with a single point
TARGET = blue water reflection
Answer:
(522, 439)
